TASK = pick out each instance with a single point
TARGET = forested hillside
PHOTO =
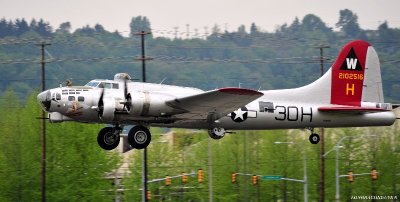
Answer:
(255, 59)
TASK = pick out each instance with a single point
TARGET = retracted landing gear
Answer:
(108, 137)
(314, 137)
(216, 133)
(139, 137)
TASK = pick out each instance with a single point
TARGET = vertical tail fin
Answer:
(356, 75)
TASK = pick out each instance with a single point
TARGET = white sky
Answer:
(166, 14)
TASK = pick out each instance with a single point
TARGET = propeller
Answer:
(106, 107)
(127, 96)
(100, 105)
(127, 101)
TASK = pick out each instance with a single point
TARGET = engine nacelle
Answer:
(137, 101)
(108, 110)
(150, 104)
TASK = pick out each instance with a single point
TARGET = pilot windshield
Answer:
(92, 84)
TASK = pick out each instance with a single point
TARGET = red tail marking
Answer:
(348, 74)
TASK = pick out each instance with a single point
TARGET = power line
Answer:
(124, 59)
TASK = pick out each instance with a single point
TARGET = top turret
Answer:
(122, 77)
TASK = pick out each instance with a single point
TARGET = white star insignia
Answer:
(239, 114)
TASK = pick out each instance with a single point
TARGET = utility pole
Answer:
(187, 31)
(43, 123)
(144, 171)
(245, 168)
(322, 131)
(210, 172)
(176, 32)
(143, 56)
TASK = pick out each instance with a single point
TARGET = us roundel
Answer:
(239, 115)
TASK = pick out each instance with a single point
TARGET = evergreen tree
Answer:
(7, 28)
(65, 28)
(253, 29)
(139, 24)
(33, 24)
(21, 27)
(43, 28)
(312, 22)
(348, 24)
(242, 30)
(86, 30)
(99, 28)
(295, 26)
(4, 28)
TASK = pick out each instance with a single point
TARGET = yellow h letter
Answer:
(349, 89)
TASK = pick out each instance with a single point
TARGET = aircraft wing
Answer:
(350, 109)
(214, 104)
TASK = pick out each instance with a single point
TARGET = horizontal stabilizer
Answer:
(351, 109)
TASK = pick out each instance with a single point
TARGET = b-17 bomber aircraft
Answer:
(349, 94)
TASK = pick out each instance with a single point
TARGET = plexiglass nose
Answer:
(44, 99)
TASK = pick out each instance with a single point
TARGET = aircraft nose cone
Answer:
(44, 99)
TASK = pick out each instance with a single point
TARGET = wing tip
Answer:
(240, 91)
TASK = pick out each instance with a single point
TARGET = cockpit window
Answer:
(103, 85)
(108, 85)
(92, 84)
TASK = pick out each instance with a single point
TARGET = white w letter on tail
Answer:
(351, 63)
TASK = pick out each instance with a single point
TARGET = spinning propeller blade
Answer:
(127, 96)
(100, 105)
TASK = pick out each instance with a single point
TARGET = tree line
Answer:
(19, 27)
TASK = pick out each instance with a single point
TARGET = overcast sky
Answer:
(166, 14)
